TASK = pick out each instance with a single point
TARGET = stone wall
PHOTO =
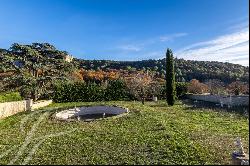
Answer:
(225, 100)
(11, 108)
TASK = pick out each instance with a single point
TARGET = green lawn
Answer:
(150, 134)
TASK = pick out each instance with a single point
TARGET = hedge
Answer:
(181, 90)
(115, 90)
(75, 92)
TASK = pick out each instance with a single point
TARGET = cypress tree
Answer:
(170, 78)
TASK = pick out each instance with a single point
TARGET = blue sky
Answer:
(131, 29)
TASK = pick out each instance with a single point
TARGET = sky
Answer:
(210, 30)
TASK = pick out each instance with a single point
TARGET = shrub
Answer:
(11, 96)
(114, 90)
(117, 90)
(162, 94)
(181, 89)
(87, 92)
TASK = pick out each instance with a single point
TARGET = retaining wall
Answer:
(11, 108)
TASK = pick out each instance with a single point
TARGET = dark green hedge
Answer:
(74, 92)
(115, 90)
(181, 90)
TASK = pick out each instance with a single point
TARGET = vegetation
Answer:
(11, 96)
(117, 90)
(216, 87)
(185, 70)
(142, 87)
(237, 88)
(71, 92)
(139, 87)
(34, 70)
(196, 87)
(181, 89)
(150, 134)
(170, 78)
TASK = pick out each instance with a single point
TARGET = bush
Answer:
(162, 94)
(75, 92)
(25, 91)
(11, 96)
(117, 90)
(181, 89)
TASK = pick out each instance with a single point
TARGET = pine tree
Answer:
(170, 78)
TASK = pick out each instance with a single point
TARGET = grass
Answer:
(11, 96)
(150, 134)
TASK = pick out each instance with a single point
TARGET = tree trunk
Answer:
(34, 95)
(143, 100)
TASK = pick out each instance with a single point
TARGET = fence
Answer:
(225, 100)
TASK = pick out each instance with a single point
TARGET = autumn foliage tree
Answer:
(197, 87)
(238, 88)
(98, 76)
(77, 76)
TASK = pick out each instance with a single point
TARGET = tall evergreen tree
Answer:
(170, 78)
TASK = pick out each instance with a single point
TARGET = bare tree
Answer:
(139, 85)
(215, 86)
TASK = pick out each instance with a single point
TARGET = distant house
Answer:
(68, 58)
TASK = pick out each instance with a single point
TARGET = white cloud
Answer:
(148, 43)
(152, 54)
(130, 48)
(224, 48)
(239, 24)
(171, 37)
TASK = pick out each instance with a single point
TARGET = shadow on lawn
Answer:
(198, 105)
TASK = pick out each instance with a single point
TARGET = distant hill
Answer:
(44, 60)
(185, 69)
